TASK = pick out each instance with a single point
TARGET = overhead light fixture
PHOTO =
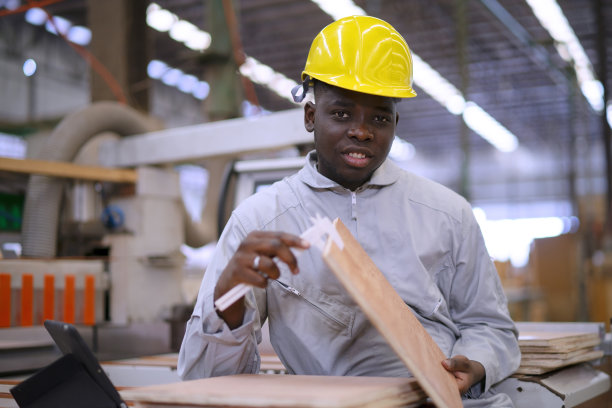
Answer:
(29, 67)
(187, 83)
(436, 86)
(36, 16)
(79, 35)
(59, 23)
(201, 90)
(264, 75)
(174, 77)
(160, 19)
(340, 8)
(401, 150)
(179, 30)
(488, 128)
(156, 69)
(568, 46)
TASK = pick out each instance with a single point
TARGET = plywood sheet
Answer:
(542, 366)
(252, 390)
(547, 356)
(556, 342)
(392, 317)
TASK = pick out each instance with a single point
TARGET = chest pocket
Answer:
(312, 309)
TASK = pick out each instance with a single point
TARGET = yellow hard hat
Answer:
(363, 54)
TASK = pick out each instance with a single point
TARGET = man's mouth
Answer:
(357, 155)
(356, 159)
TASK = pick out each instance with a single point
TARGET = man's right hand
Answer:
(253, 264)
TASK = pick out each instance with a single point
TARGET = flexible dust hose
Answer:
(44, 194)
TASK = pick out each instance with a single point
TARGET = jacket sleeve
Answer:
(210, 348)
(479, 308)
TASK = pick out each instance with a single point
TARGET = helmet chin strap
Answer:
(303, 87)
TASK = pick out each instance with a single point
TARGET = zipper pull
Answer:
(289, 288)
(353, 205)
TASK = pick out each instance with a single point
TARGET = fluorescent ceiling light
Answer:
(264, 75)
(340, 8)
(436, 86)
(160, 19)
(172, 77)
(29, 67)
(401, 150)
(198, 41)
(201, 90)
(187, 83)
(36, 16)
(488, 128)
(179, 30)
(61, 24)
(182, 30)
(79, 35)
(569, 48)
(156, 69)
(10, 4)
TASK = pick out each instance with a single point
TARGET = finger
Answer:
(268, 268)
(457, 363)
(278, 246)
(243, 271)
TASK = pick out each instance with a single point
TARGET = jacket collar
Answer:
(387, 174)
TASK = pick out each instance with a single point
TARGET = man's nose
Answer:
(360, 131)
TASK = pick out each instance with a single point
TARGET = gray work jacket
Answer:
(424, 239)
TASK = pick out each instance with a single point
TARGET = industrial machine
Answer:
(103, 251)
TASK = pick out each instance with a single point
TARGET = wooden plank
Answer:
(392, 317)
(536, 367)
(68, 170)
(253, 390)
(556, 342)
(545, 355)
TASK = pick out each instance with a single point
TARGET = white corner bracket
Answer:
(322, 228)
(316, 236)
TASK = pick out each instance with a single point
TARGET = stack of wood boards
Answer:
(546, 351)
(252, 390)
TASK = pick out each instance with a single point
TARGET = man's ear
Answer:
(309, 116)
(396, 118)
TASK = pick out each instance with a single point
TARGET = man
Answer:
(422, 236)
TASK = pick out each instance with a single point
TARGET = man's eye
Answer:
(341, 114)
(382, 119)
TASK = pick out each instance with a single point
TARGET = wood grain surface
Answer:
(253, 390)
(556, 342)
(536, 367)
(392, 317)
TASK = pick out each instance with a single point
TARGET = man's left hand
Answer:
(467, 372)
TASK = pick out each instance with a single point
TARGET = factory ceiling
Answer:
(512, 68)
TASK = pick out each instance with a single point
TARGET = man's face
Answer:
(353, 133)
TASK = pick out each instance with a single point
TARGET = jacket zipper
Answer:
(297, 293)
(353, 205)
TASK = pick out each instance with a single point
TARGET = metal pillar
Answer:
(602, 54)
(119, 42)
(224, 99)
(464, 132)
